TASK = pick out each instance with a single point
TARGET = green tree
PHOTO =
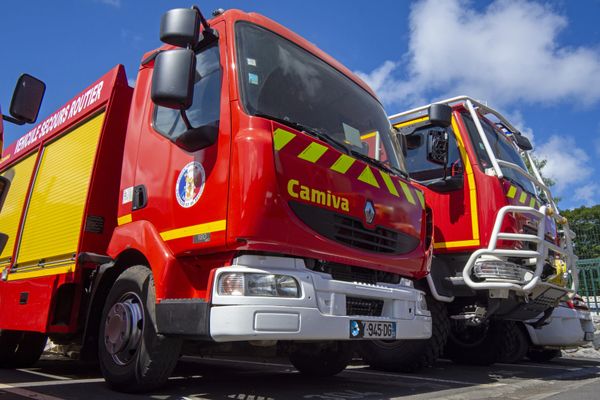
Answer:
(585, 222)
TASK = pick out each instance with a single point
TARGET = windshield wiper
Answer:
(378, 163)
(316, 132)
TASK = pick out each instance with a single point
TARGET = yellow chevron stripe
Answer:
(343, 164)
(281, 137)
(511, 192)
(389, 183)
(367, 177)
(523, 198)
(209, 227)
(368, 136)
(312, 152)
(421, 198)
(407, 193)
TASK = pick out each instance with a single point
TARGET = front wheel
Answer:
(321, 359)
(410, 355)
(477, 345)
(133, 357)
(515, 344)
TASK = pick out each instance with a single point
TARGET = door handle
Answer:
(140, 197)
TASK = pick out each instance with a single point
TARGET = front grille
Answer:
(351, 231)
(349, 273)
(363, 307)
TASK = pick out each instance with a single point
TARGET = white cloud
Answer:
(587, 194)
(507, 52)
(567, 164)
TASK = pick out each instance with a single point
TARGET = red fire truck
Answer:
(502, 252)
(229, 197)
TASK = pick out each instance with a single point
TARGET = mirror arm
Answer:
(13, 120)
(185, 119)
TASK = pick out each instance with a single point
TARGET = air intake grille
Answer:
(351, 232)
(356, 306)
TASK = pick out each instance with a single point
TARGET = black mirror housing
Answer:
(198, 138)
(173, 79)
(440, 115)
(522, 142)
(3, 241)
(4, 185)
(27, 99)
(180, 27)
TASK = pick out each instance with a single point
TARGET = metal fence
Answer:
(587, 245)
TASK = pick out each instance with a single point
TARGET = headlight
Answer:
(422, 302)
(253, 284)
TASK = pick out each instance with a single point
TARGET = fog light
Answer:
(262, 285)
(421, 303)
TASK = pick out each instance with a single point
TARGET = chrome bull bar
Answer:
(541, 252)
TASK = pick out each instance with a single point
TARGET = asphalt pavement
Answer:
(57, 378)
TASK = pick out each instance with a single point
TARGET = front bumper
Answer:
(320, 313)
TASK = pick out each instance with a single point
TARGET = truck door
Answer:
(455, 205)
(185, 194)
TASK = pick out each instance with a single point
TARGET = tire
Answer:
(410, 355)
(476, 345)
(321, 359)
(537, 355)
(133, 357)
(515, 344)
(19, 349)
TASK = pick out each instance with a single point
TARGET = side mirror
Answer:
(27, 99)
(522, 142)
(3, 241)
(180, 27)
(440, 115)
(4, 185)
(173, 79)
(437, 147)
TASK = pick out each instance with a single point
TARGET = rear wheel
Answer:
(538, 355)
(20, 349)
(476, 345)
(515, 343)
(410, 355)
(321, 359)
(133, 357)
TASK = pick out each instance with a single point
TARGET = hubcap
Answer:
(124, 327)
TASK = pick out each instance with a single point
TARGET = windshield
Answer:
(503, 149)
(279, 79)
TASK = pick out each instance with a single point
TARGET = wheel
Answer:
(133, 357)
(20, 349)
(476, 345)
(515, 344)
(538, 355)
(410, 355)
(321, 359)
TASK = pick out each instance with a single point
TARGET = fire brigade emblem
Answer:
(190, 184)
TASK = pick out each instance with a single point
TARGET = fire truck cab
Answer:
(502, 252)
(227, 198)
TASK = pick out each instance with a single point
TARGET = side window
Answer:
(419, 167)
(205, 110)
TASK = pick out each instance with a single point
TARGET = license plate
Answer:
(372, 329)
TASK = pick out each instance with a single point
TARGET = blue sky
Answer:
(538, 62)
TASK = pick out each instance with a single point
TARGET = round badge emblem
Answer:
(190, 184)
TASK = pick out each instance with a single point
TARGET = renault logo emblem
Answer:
(369, 212)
